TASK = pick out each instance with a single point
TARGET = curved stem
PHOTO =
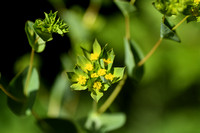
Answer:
(9, 94)
(112, 97)
(29, 71)
(150, 53)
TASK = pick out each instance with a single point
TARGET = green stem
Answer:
(159, 42)
(177, 25)
(112, 97)
(127, 27)
(10, 95)
(29, 71)
(150, 53)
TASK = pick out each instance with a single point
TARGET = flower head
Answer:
(101, 72)
(95, 72)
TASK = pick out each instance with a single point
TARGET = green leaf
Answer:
(167, 33)
(72, 76)
(35, 41)
(133, 55)
(44, 35)
(125, 6)
(55, 125)
(119, 72)
(78, 87)
(96, 47)
(96, 95)
(16, 87)
(105, 122)
(82, 61)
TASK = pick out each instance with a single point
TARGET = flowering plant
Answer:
(94, 71)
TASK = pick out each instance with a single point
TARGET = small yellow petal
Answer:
(108, 61)
(81, 80)
(94, 56)
(97, 85)
(109, 76)
(89, 67)
(94, 75)
(101, 72)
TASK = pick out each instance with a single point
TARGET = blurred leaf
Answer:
(37, 43)
(119, 73)
(55, 125)
(125, 6)
(133, 55)
(105, 122)
(167, 33)
(16, 87)
(58, 92)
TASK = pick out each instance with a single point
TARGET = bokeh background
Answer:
(167, 100)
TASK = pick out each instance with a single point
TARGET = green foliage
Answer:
(35, 41)
(167, 32)
(50, 24)
(22, 102)
(133, 55)
(104, 123)
(94, 71)
(175, 7)
(125, 7)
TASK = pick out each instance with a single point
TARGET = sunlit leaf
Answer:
(35, 41)
(24, 104)
(105, 122)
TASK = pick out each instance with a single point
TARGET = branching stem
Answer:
(159, 42)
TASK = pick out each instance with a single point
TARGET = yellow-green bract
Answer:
(94, 71)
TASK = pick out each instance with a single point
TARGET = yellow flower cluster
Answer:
(81, 80)
(97, 85)
(94, 56)
(89, 67)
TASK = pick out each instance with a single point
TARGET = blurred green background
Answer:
(167, 100)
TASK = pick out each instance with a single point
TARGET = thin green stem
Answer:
(150, 53)
(112, 97)
(177, 25)
(10, 95)
(94, 106)
(29, 71)
(159, 42)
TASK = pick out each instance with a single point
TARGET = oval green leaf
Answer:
(24, 103)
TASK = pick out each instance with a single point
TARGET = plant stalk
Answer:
(150, 53)
(127, 27)
(177, 25)
(29, 71)
(112, 97)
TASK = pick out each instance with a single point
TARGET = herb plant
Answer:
(90, 68)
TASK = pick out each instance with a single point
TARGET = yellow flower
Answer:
(89, 67)
(94, 75)
(109, 76)
(94, 56)
(97, 85)
(108, 61)
(81, 80)
(101, 72)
